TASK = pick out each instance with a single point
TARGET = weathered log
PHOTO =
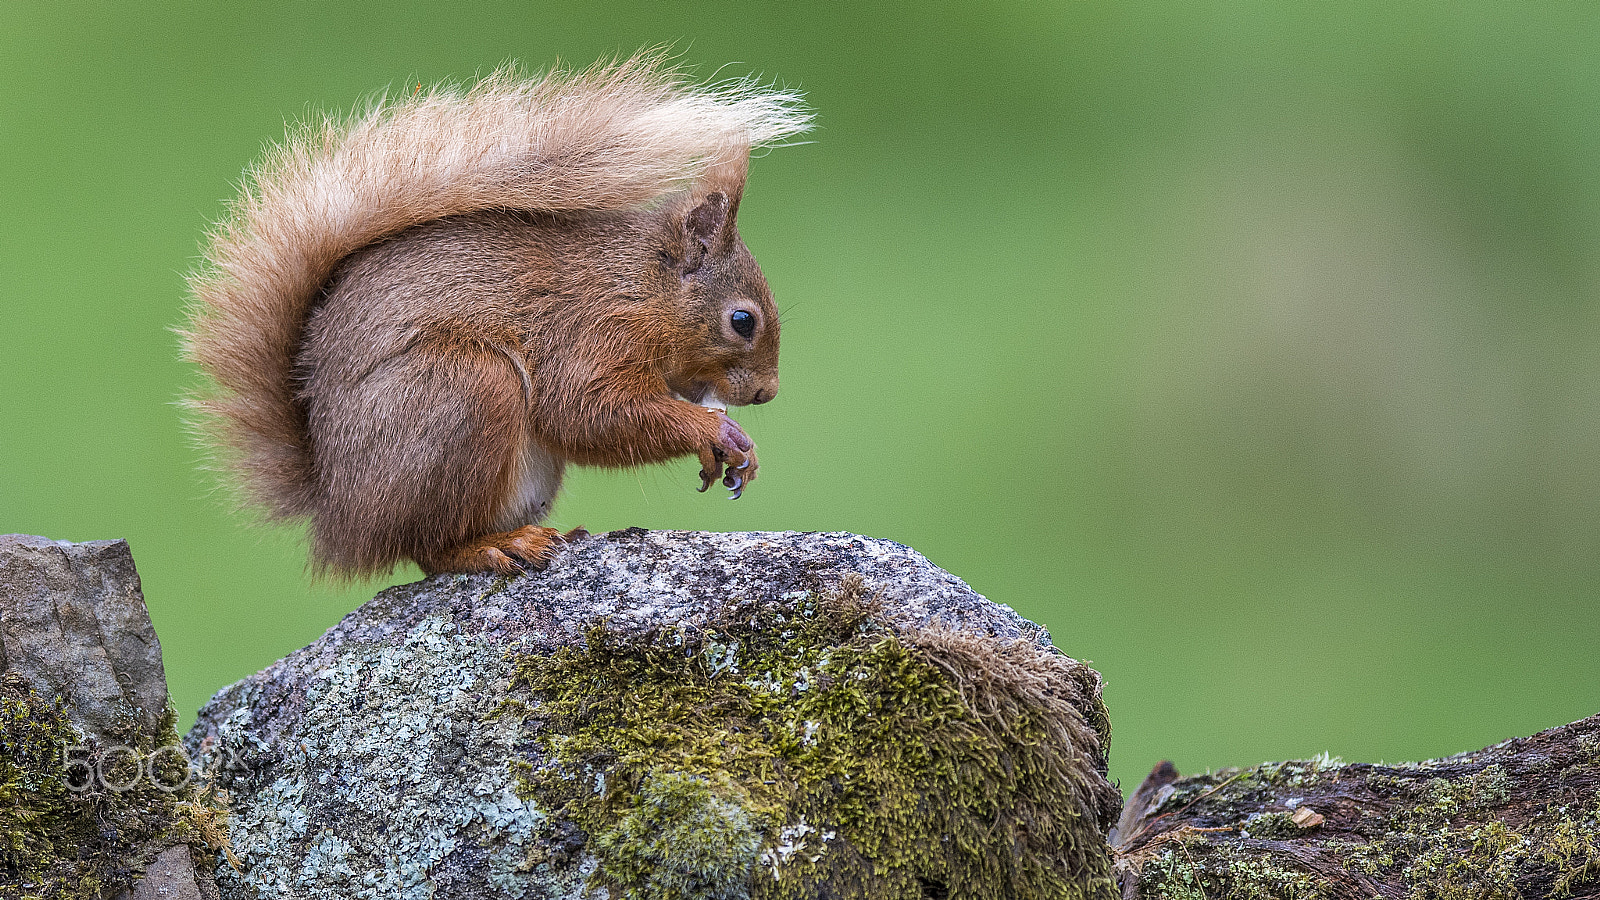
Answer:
(1516, 820)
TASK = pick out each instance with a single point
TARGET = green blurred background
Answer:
(1253, 348)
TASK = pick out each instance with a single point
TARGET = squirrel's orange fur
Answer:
(416, 318)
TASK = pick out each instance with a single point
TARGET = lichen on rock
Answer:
(393, 782)
(667, 715)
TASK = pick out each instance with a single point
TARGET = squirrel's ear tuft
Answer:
(703, 228)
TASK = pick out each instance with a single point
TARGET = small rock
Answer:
(73, 623)
(1306, 817)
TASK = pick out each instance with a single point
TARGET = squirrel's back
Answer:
(614, 137)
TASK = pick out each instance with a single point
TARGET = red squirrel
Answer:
(415, 319)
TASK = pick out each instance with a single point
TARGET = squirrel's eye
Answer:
(743, 323)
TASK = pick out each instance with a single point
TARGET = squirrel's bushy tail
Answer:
(613, 137)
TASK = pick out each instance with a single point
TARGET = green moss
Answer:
(1448, 844)
(63, 832)
(1273, 826)
(682, 838)
(1572, 847)
(1448, 839)
(1443, 799)
(1291, 773)
(1487, 859)
(806, 751)
(1194, 869)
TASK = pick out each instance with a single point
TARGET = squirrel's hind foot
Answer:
(507, 553)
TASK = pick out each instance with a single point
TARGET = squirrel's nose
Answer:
(766, 393)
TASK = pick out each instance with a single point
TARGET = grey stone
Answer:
(375, 762)
(73, 624)
(169, 877)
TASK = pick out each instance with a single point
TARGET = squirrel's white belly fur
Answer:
(533, 490)
(538, 480)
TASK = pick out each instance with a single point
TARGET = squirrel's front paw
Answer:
(732, 448)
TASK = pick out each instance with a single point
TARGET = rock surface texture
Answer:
(673, 715)
(74, 625)
(96, 792)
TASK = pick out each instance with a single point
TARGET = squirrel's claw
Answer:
(739, 476)
(497, 560)
(730, 446)
(517, 552)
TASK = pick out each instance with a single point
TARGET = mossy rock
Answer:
(672, 715)
(825, 752)
(75, 823)
(95, 792)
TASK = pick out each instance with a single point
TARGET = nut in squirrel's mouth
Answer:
(708, 400)
(699, 393)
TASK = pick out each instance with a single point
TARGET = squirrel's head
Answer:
(727, 354)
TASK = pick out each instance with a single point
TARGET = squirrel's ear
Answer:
(703, 228)
(705, 222)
